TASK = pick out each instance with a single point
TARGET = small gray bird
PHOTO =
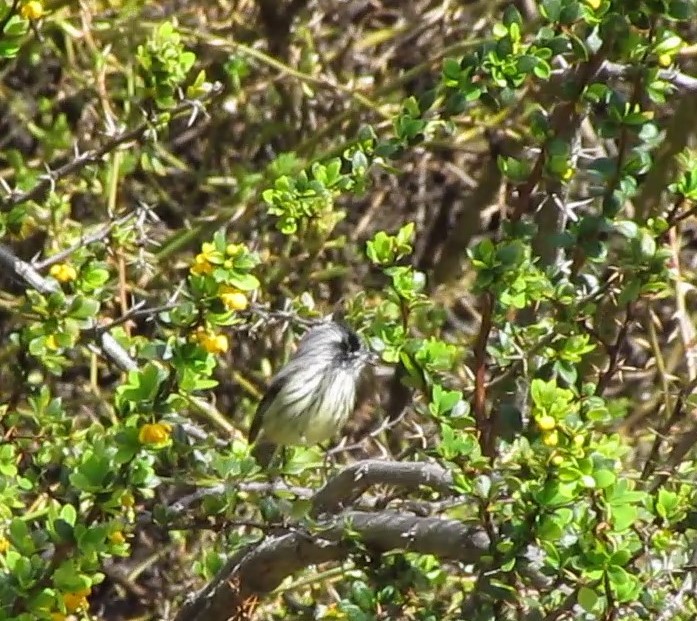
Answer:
(314, 394)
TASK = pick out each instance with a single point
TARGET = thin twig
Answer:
(136, 311)
(85, 240)
(676, 415)
(680, 80)
(614, 353)
(81, 160)
(486, 438)
(385, 425)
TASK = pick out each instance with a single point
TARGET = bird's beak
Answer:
(372, 358)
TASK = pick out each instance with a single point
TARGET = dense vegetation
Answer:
(500, 196)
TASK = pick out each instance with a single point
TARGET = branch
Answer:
(614, 353)
(257, 570)
(85, 240)
(260, 568)
(564, 122)
(687, 587)
(679, 80)
(108, 345)
(486, 437)
(610, 69)
(29, 275)
(81, 160)
(343, 489)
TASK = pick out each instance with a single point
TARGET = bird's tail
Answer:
(264, 452)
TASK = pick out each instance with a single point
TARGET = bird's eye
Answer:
(352, 342)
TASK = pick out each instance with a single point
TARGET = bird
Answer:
(313, 395)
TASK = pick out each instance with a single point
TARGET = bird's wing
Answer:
(266, 401)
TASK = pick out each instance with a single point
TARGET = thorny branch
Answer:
(260, 568)
(614, 351)
(81, 160)
(479, 364)
(24, 271)
(108, 346)
(85, 240)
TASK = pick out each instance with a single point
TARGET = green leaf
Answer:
(666, 503)
(555, 493)
(93, 277)
(21, 537)
(622, 517)
(451, 70)
(681, 9)
(627, 228)
(587, 598)
(83, 308)
(244, 282)
(549, 530)
(499, 30)
(551, 9)
(64, 530)
(69, 514)
(604, 478)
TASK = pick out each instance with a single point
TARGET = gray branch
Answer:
(680, 80)
(608, 69)
(31, 276)
(257, 570)
(343, 489)
(260, 568)
(47, 181)
(108, 345)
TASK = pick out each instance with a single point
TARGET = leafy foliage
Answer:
(512, 234)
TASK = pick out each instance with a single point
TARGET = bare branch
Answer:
(108, 345)
(137, 310)
(681, 81)
(81, 160)
(609, 69)
(260, 569)
(28, 274)
(85, 240)
(343, 489)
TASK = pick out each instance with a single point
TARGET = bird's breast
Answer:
(315, 415)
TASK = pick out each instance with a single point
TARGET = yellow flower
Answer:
(568, 173)
(551, 438)
(594, 4)
(208, 249)
(557, 460)
(63, 272)
(4, 545)
(117, 537)
(665, 60)
(210, 341)
(127, 499)
(234, 249)
(51, 342)
(232, 298)
(546, 422)
(206, 259)
(154, 433)
(32, 10)
(77, 600)
(201, 265)
(58, 616)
